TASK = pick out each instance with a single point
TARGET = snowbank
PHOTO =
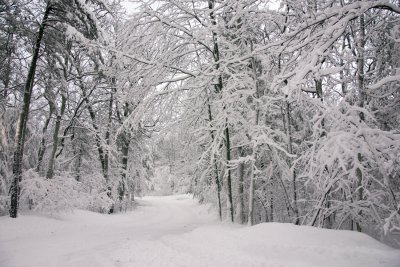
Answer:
(269, 244)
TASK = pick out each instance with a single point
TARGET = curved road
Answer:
(90, 239)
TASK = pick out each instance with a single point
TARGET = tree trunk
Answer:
(23, 118)
(215, 166)
(64, 77)
(107, 137)
(92, 115)
(250, 218)
(50, 168)
(72, 121)
(7, 68)
(217, 181)
(361, 103)
(343, 84)
(229, 178)
(42, 148)
(271, 201)
(254, 149)
(290, 150)
(219, 87)
(241, 168)
(78, 165)
(124, 167)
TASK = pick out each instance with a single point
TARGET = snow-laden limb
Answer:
(74, 35)
(312, 39)
(384, 81)
(392, 223)
(333, 163)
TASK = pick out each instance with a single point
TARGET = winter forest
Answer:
(269, 112)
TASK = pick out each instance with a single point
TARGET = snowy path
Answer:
(176, 231)
(90, 239)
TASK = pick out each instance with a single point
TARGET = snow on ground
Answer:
(176, 231)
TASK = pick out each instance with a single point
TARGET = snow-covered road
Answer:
(90, 239)
(176, 231)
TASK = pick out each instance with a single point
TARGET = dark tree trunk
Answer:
(250, 219)
(241, 168)
(7, 67)
(42, 148)
(124, 166)
(290, 150)
(23, 118)
(50, 169)
(107, 136)
(229, 178)
(271, 201)
(215, 166)
(78, 165)
(218, 87)
(92, 115)
(361, 103)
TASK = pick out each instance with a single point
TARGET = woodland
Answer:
(271, 112)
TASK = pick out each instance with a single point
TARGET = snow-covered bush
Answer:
(48, 195)
(93, 195)
(99, 202)
(4, 200)
(62, 193)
